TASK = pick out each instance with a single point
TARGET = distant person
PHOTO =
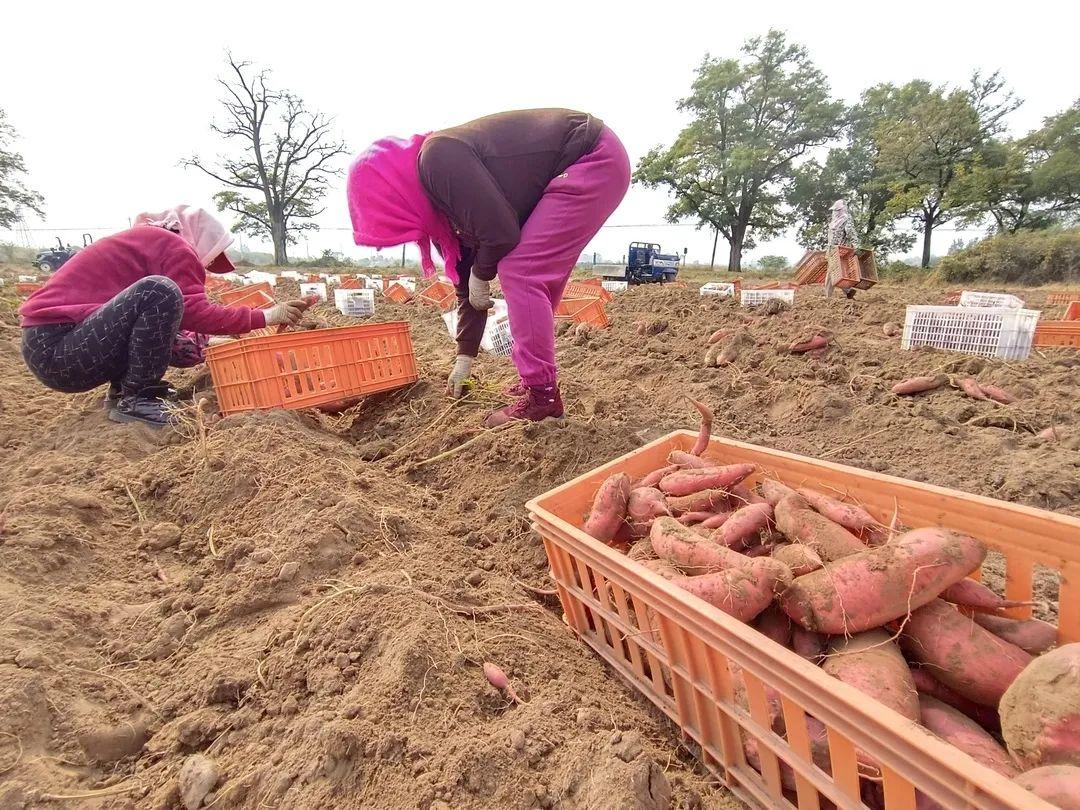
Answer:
(114, 312)
(518, 196)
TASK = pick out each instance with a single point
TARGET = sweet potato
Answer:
(689, 550)
(773, 624)
(653, 478)
(917, 385)
(743, 495)
(801, 346)
(1053, 433)
(971, 661)
(716, 521)
(663, 568)
(1030, 635)
(808, 644)
(774, 492)
(708, 500)
(702, 443)
(742, 592)
(801, 524)
(687, 482)
(997, 394)
(608, 508)
(643, 507)
(868, 589)
(686, 461)
(970, 386)
(1040, 712)
(717, 336)
(799, 558)
(872, 663)
(927, 684)
(1057, 784)
(847, 515)
(974, 595)
(964, 733)
(891, 329)
(743, 525)
(693, 518)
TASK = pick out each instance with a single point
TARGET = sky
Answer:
(109, 97)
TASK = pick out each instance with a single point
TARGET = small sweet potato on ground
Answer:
(808, 345)
(997, 394)
(970, 386)
(918, 385)
(1040, 711)
(971, 661)
(959, 730)
(609, 508)
(865, 590)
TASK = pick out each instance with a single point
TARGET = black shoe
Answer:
(148, 409)
(162, 391)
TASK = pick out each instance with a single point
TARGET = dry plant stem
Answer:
(455, 450)
(849, 445)
(143, 700)
(18, 756)
(89, 794)
(138, 509)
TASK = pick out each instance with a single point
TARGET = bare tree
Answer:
(285, 159)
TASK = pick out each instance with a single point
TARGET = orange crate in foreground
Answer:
(583, 310)
(318, 368)
(1058, 333)
(262, 294)
(678, 650)
(1063, 297)
(581, 289)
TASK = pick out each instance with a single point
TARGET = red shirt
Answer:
(96, 274)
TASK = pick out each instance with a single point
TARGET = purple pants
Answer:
(534, 274)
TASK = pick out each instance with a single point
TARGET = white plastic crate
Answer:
(291, 274)
(724, 289)
(614, 286)
(497, 338)
(27, 279)
(983, 331)
(355, 303)
(753, 298)
(973, 298)
(373, 283)
(259, 276)
(316, 288)
(330, 278)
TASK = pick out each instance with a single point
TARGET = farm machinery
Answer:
(645, 264)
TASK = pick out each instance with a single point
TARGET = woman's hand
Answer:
(480, 293)
(287, 312)
(455, 383)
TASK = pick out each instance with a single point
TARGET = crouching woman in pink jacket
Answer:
(516, 196)
(114, 311)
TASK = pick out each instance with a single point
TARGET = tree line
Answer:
(768, 149)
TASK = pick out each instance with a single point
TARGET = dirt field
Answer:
(299, 599)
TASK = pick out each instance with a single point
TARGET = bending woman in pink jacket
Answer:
(516, 195)
(113, 312)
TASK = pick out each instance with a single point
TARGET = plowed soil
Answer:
(307, 600)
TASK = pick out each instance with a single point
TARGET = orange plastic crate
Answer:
(676, 649)
(319, 368)
(581, 289)
(1063, 297)
(398, 293)
(217, 285)
(350, 283)
(583, 310)
(27, 287)
(1058, 333)
(257, 299)
(1073, 312)
(240, 294)
(440, 294)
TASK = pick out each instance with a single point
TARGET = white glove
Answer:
(456, 381)
(480, 293)
(288, 312)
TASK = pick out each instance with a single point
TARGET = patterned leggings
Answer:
(128, 342)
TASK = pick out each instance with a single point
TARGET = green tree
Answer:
(285, 160)
(773, 263)
(15, 197)
(1029, 183)
(729, 168)
(925, 151)
(853, 172)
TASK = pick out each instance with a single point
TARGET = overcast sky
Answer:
(108, 97)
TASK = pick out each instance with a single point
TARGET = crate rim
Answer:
(303, 336)
(834, 703)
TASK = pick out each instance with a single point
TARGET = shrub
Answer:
(1028, 257)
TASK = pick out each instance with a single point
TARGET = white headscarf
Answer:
(196, 226)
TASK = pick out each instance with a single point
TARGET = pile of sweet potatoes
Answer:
(889, 612)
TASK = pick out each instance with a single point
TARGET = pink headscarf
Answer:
(200, 229)
(389, 206)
